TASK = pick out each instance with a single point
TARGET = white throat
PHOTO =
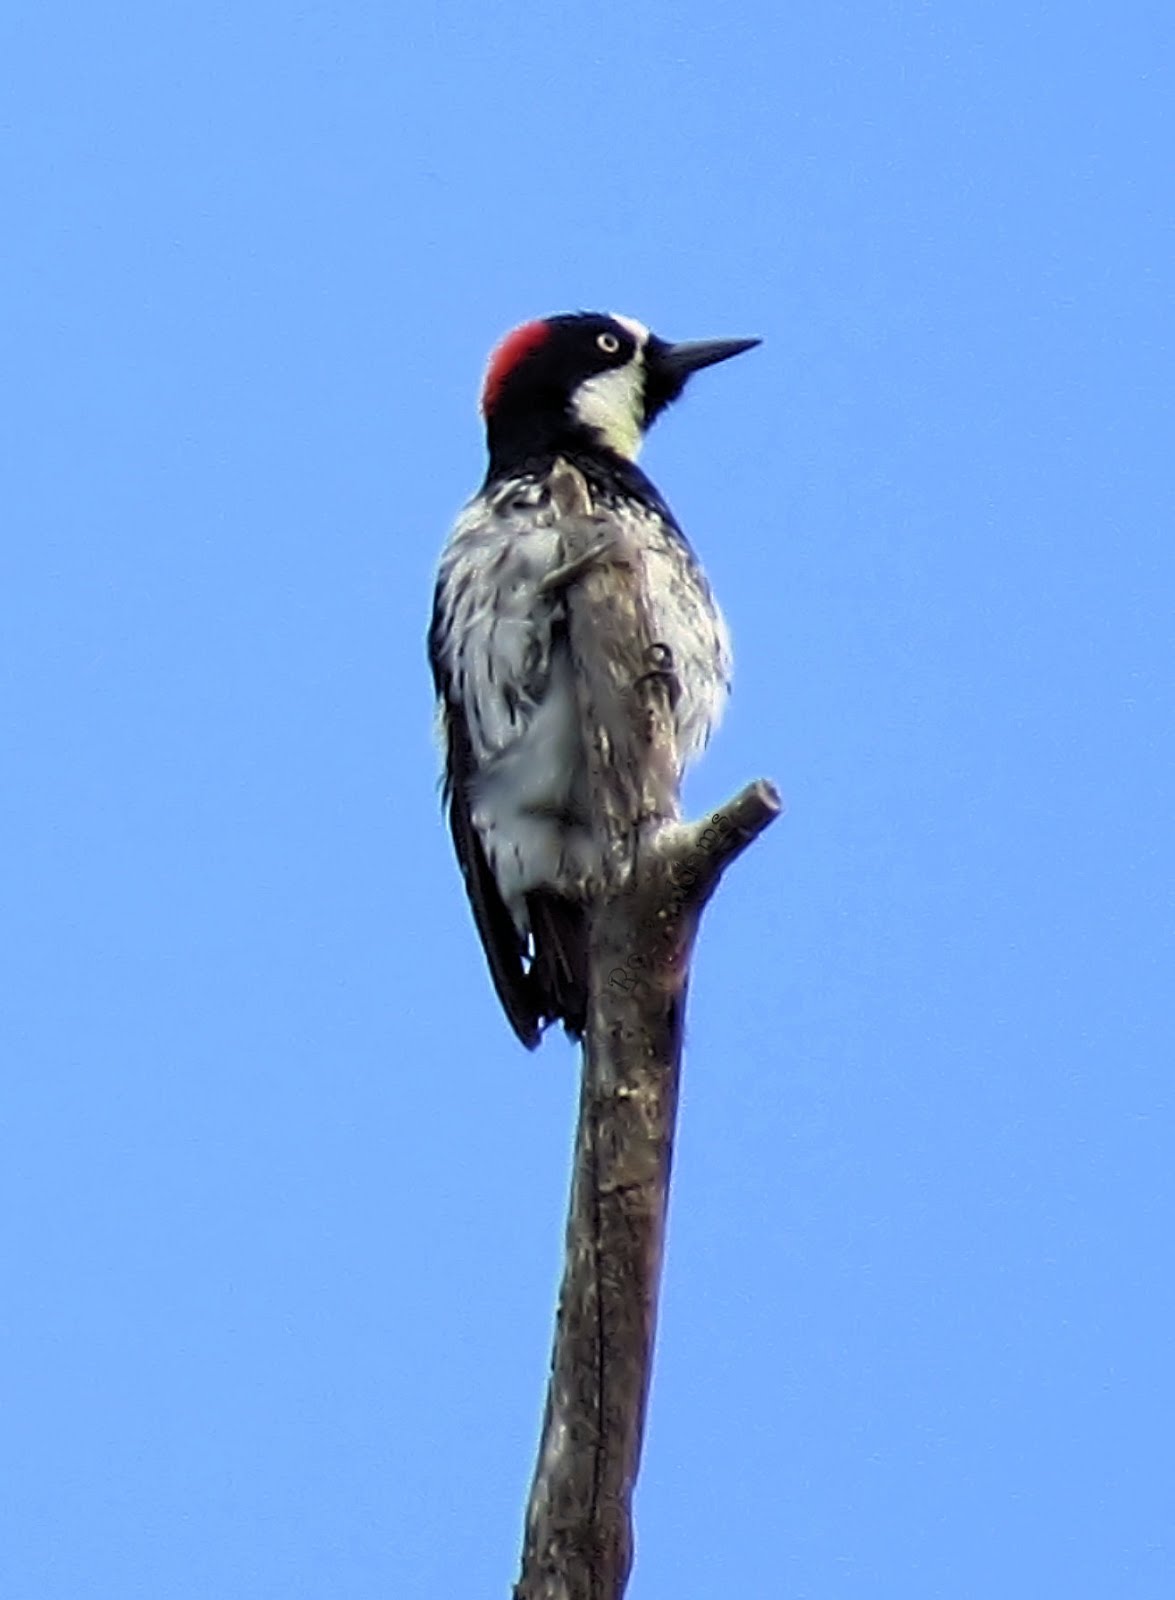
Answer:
(612, 403)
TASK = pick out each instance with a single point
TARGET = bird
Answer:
(582, 388)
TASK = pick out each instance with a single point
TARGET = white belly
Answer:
(530, 803)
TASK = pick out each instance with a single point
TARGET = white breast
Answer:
(502, 643)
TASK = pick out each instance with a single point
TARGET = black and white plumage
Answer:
(583, 388)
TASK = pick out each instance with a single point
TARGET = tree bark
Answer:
(657, 875)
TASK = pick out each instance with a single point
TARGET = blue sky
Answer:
(282, 1199)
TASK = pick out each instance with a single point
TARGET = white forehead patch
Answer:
(638, 330)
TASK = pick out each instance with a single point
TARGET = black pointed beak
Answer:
(668, 366)
(679, 360)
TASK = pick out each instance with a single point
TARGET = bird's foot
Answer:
(603, 551)
(661, 670)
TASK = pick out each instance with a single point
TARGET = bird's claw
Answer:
(661, 670)
(571, 571)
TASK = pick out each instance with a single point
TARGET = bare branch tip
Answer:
(756, 806)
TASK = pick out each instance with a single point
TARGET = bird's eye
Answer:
(608, 343)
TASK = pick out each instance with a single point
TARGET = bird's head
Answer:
(586, 381)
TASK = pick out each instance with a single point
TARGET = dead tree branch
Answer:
(658, 874)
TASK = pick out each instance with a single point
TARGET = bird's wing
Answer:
(504, 946)
(490, 648)
(491, 635)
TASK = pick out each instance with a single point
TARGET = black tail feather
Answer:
(559, 971)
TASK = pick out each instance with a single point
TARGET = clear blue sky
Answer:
(282, 1199)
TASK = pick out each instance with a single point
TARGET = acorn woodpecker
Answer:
(584, 388)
